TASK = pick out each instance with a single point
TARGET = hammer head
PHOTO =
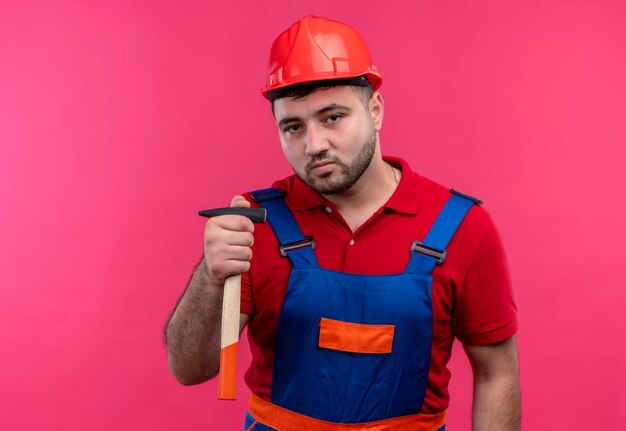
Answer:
(257, 215)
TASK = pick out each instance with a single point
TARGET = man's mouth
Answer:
(322, 167)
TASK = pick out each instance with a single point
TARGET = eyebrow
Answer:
(322, 111)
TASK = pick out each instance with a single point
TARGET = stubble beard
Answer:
(349, 174)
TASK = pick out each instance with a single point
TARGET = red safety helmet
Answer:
(316, 49)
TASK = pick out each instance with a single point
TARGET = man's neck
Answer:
(368, 194)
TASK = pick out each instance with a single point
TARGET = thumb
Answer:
(239, 201)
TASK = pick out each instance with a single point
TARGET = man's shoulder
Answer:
(298, 196)
(285, 185)
(435, 195)
(477, 238)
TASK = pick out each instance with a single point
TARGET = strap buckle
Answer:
(419, 247)
(463, 195)
(307, 241)
(268, 194)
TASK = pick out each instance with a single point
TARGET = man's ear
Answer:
(377, 110)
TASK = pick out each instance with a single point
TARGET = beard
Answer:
(349, 174)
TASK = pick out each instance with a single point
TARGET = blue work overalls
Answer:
(351, 348)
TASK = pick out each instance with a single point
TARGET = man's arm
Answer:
(192, 333)
(496, 386)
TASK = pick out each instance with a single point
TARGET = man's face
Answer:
(329, 137)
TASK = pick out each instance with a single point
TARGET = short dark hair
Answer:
(301, 91)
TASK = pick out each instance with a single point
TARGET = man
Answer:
(380, 269)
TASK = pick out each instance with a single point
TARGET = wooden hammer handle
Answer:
(227, 385)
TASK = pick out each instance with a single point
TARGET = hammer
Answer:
(227, 383)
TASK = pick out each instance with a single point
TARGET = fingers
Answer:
(237, 253)
(219, 234)
(234, 223)
(239, 201)
(227, 243)
(219, 270)
(226, 252)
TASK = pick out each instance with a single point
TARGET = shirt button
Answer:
(329, 209)
(351, 242)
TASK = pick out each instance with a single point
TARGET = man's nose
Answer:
(316, 141)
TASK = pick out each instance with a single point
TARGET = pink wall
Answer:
(120, 119)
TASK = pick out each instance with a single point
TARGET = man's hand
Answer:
(496, 386)
(227, 242)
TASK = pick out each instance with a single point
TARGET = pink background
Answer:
(120, 119)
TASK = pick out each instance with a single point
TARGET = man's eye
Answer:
(333, 118)
(294, 128)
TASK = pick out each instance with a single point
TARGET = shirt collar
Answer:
(302, 197)
(404, 200)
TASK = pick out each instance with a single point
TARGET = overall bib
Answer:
(352, 351)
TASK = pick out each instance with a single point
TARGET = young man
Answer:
(354, 325)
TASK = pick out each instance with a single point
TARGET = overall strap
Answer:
(293, 244)
(432, 251)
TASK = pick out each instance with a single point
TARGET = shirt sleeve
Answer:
(247, 298)
(487, 313)
(247, 302)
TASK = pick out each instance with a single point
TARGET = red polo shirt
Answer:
(472, 296)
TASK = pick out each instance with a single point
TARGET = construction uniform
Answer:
(353, 350)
